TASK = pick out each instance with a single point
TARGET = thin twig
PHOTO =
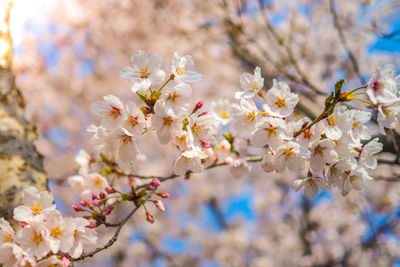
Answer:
(111, 241)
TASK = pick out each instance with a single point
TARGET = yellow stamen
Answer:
(98, 181)
(280, 102)
(251, 116)
(168, 121)
(56, 232)
(288, 153)
(37, 238)
(271, 130)
(223, 114)
(144, 73)
(253, 86)
(36, 209)
(7, 238)
(353, 179)
(332, 120)
(180, 71)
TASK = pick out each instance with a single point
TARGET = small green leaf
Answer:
(329, 100)
(338, 87)
(142, 193)
(140, 202)
(144, 97)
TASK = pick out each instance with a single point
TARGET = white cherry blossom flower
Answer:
(251, 84)
(387, 115)
(382, 87)
(100, 134)
(123, 144)
(135, 121)
(269, 131)
(280, 101)
(12, 255)
(205, 129)
(309, 135)
(368, 151)
(177, 97)
(84, 237)
(358, 131)
(6, 232)
(310, 185)
(336, 123)
(354, 180)
(145, 72)
(52, 261)
(245, 117)
(36, 206)
(222, 111)
(345, 147)
(182, 68)
(183, 139)
(94, 184)
(111, 111)
(164, 121)
(60, 234)
(322, 153)
(293, 156)
(190, 160)
(336, 173)
(84, 160)
(34, 239)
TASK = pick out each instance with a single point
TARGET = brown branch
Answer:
(111, 241)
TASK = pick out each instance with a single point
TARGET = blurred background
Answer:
(68, 53)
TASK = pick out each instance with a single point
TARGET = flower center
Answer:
(56, 232)
(180, 71)
(251, 116)
(271, 130)
(97, 181)
(288, 153)
(114, 112)
(7, 238)
(168, 121)
(332, 120)
(308, 134)
(253, 86)
(353, 179)
(223, 114)
(356, 125)
(376, 86)
(36, 209)
(144, 73)
(319, 151)
(310, 183)
(172, 96)
(280, 102)
(126, 139)
(133, 120)
(36, 239)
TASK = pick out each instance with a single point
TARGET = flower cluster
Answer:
(46, 237)
(334, 150)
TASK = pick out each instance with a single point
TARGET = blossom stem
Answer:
(170, 79)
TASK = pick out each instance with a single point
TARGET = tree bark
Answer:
(21, 165)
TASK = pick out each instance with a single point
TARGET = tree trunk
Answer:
(21, 165)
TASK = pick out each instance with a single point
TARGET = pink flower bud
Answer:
(102, 195)
(205, 144)
(159, 204)
(150, 187)
(156, 182)
(228, 160)
(149, 217)
(110, 190)
(97, 202)
(163, 194)
(65, 261)
(94, 196)
(92, 224)
(107, 211)
(86, 204)
(198, 106)
(77, 208)
(23, 224)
